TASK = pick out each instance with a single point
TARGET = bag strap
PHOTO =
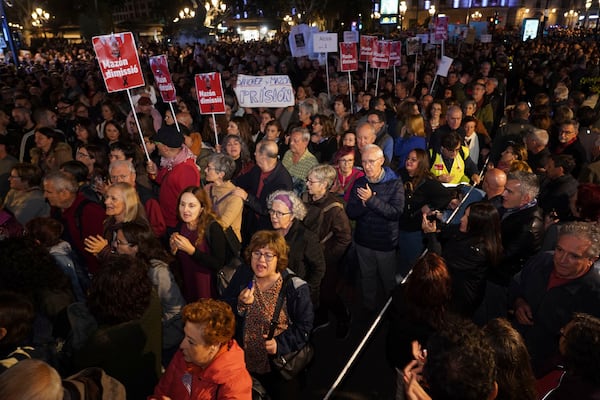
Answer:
(215, 203)
(278, 306)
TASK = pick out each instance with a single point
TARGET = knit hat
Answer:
(169, 136)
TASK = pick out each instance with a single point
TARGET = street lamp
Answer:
(571, 16)
(214, 9)
(588, 4)
(39, 17)
(476, 16)
(403, 8)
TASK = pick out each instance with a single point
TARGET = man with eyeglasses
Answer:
(66, 122)
(554, 286)
(382, 139)
(452, 163)
(376, 203)
(568, 143)
(124, 171)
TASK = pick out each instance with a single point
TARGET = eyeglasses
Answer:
(312, 182)
(371, 162)
(277, 213)
(210, 168)
(14, 177)
(118, 178)
(258, 254)
(452, 150)
(373, 122)
(346, 161)
(84, 155)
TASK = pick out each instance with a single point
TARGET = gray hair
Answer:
(373, 147)
(305, 133)
(62, 181)
(366, 125)
(267, 148)
(121, 163)
(298, 208)
(223, 163)
(540, 135)
(585, 230)
(572, 122)
(529, 183)
(325, 173)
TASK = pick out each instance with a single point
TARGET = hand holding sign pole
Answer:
(349, 62)
(120, 67)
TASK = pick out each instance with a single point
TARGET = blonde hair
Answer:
(415, 126)
(133, 206)
(31, 380)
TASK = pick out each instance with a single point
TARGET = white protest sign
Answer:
(325, 42)
(424, 37)
(351, 36)
(444, 66)
(485, 38)
(264, 91)
(299, 40)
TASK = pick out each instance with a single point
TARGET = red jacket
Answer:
(172, 182)
(226, 378)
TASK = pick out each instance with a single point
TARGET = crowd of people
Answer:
(160, 253)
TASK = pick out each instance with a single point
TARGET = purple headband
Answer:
(285, 199)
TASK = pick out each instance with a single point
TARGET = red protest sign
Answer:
(381, 55)
(210, 93)
(348, 57)
(160, 70)
(119, 62)
(441, 28)
(395, 53)
(367, 44)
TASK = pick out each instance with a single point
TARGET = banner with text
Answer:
(264, 91)
(395, 53)
(367, 46)
(119, 62)
(210, 93)
(324, 42)
(381, 55)
(348, 57)
(441, 28)
(160, 70)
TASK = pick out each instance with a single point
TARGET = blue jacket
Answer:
(298, 306)
(377, 220)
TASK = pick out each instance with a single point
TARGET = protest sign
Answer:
(298, 40)
(210, 93)
(486, 38)
(441, 28)
(381, 55)
(444, 66)
(413, 46)
(424, 37)
(351, 36)
(160, 70)
(264, 91)
(395, 53)
(325, 42)
(348, 57)
(119, 62)
(367, 45)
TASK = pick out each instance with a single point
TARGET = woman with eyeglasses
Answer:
(227, 207)
(306, 257)
(25, 199)
(199, 244)
(253, 294)
(347, 173)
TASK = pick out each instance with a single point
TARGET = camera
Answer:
(432, 217)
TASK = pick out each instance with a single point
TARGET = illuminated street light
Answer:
(403, 8)
(476, 16)
(432, 11)
(39, 17)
